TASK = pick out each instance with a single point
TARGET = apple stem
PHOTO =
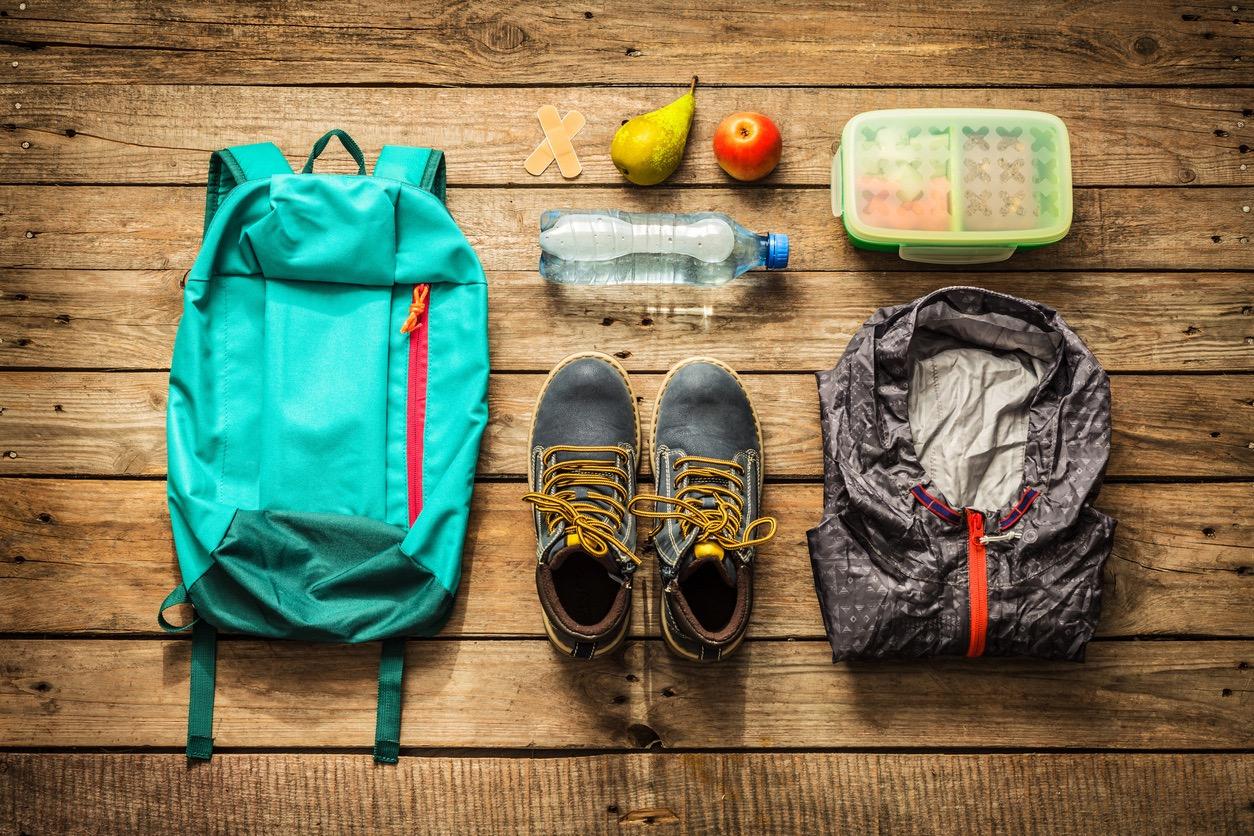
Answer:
(693, 87)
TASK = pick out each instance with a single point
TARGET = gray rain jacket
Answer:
(965, 437)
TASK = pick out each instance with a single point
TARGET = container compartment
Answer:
(903, 176)
(1009, 176)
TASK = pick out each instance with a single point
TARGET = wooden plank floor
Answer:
(110, 112)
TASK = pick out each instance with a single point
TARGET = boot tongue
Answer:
(567, 546)
(566, 543)
(703, 551)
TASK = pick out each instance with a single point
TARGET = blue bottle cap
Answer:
(776, 251)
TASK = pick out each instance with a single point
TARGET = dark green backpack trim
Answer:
(421, 167)
(332, 561)
(177, 596)
(230, 167)
(347, 141)
(318, 577)
(200, 702)
(203, 680)
(204, 667)
(387, 728)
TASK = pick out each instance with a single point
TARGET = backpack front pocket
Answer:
(318, 577)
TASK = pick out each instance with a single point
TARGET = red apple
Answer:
(747, 145)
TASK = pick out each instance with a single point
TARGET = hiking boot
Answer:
(707, 461)
(585, 450)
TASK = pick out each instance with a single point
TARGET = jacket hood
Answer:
(1066, 445)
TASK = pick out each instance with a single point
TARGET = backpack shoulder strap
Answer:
(230, 167)
(421, 167)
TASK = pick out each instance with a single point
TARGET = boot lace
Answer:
(696, 478)
(596, 517)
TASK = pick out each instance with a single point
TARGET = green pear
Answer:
(647, 149)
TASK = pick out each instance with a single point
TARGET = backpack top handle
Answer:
(345, 140)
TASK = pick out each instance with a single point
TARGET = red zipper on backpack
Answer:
(977, 582)
(416, 402)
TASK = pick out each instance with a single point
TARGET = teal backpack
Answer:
(327, 395)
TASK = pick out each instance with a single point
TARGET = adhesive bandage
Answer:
(556, 145)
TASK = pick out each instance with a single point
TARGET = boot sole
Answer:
(673, 645)
(569, 650)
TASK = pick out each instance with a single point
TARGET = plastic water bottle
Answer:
(605, 246)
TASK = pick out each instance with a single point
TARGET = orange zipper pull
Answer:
(421, 291)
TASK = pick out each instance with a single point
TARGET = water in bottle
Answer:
(605, 246)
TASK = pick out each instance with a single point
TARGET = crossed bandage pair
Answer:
(556, 144)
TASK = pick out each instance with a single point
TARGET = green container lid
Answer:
(953, 185)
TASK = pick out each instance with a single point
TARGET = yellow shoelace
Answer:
(720, 524)
(594, 520)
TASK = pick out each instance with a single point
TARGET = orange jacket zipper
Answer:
(977, 582)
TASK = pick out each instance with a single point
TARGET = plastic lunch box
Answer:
(953, 185)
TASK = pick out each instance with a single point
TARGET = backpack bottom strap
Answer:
(200, 704)
(387, 730)
(204, 664)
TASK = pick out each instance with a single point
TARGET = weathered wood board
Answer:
(103, 227)
(604, 794)
(521, 694)
(1127, 136)
(802, 42)
(113, 424)
(1133, 322)
(1180, 564)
